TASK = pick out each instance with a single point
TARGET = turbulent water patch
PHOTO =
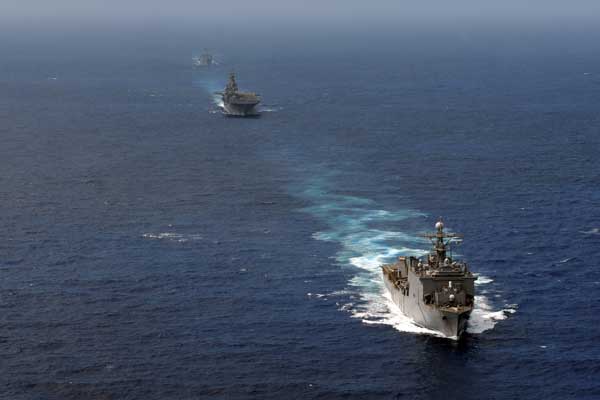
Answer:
(211, 85)
(368, 238)
(218, 101)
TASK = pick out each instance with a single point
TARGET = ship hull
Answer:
(450, 323)
(240, 110)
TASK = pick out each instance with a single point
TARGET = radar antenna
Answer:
(441, 240)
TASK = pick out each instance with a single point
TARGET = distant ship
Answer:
(236, 103)
(437, 293)
(204, 60)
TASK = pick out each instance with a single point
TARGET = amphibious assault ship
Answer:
(437, 293)
(236, 103)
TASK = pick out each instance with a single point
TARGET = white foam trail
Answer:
(351, 221)
(268, 109)
(175, 237)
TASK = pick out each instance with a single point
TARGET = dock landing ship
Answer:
(437, 293)
(236, 103)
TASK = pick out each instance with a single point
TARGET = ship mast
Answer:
(232, 84)
(441, 246)
(231, 88)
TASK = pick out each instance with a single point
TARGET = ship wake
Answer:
(211, 86)
(218, 103)
(360, 227)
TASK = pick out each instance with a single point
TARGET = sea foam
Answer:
(171, 236)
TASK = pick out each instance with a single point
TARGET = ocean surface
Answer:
(151, 248)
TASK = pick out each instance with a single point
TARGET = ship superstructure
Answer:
(436, 293)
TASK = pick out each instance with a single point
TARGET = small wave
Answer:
(175, 237)
(317, 295)
(340, 293)
(594, 231)
(482, 280)
(268, 108)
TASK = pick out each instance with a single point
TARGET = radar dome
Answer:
(439, 225)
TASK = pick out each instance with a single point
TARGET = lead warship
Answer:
(437, 293)
(236, 103)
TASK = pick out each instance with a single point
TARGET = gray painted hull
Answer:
(450, 324)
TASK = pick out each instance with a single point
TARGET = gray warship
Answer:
(204, 60)
(236, 103)
(437, 293)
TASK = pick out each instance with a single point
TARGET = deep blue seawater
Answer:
(152, 249)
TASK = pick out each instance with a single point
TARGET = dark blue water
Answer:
(153, 249)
